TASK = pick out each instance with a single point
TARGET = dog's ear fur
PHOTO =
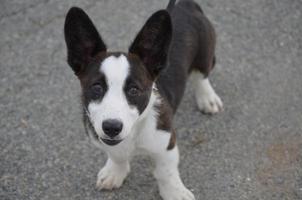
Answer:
(82, 39)
(152, 43)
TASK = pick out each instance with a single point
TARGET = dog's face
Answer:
(116, 87)
(116, 91)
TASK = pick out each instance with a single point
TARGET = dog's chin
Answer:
(111, 142)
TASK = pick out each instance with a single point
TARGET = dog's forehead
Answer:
(115, 68)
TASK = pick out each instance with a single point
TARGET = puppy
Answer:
(129, 99)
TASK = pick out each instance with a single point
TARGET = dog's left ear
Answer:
(152, 43)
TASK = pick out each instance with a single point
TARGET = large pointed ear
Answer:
(152, 43)
(82, 39)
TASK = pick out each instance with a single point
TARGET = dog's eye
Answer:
(133, 91)
(97, 91)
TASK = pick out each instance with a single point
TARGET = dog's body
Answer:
(129, 99)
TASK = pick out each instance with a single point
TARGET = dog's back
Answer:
(192, 48)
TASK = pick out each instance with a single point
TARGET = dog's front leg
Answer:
(166, 172)
(112, 174)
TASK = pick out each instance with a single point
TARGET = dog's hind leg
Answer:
(207, 100)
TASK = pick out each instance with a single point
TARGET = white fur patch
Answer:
(114, 104)
(207, 99)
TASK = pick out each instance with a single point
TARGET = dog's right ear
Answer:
(82, 39)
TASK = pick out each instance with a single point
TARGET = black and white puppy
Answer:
(129, 99)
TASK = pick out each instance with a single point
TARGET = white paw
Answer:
(175, 191)
(207, 99)
(209, 103)
(111, 176)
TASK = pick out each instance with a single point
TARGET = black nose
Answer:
(112, 127)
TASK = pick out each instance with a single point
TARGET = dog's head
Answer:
(116, 87)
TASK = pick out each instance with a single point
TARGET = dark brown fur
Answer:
(165, 116)
(192, 48)
(172, 141)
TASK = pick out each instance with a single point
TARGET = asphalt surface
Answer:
(252, 150)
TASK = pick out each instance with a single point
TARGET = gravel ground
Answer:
(253, 150)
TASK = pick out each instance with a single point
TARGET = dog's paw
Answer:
(175, 192)
(111, 176)
(207, 100)
(209, 103)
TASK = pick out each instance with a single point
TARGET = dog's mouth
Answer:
(110, 142)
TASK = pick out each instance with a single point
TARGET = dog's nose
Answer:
(112, 127)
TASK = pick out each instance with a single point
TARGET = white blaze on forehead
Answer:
(116, 69)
